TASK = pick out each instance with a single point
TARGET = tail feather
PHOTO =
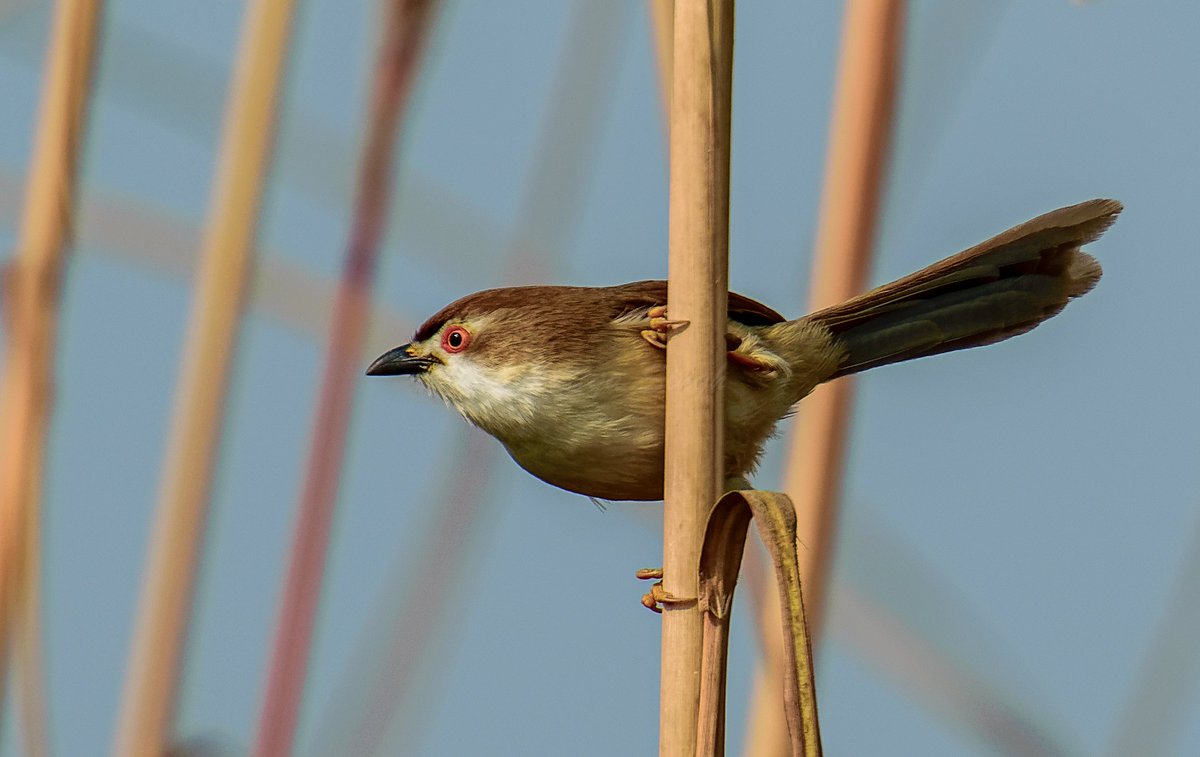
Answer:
(998, 289)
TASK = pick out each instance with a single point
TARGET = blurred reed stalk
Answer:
(697, 290)
(32, 288)
(999, 721)
(662, 24)
(313, 157)
(1154, 719)
(859, 134)
(152, 677)
(391, 663)
(404, 33)
(393, 660)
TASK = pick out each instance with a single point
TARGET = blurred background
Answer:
(1017, 564)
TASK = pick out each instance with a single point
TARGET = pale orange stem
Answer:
(152, 678)
(404, 34)
(662, 23)
(859, 133)
(698, 263)
(32, 286)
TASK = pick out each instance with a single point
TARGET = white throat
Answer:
(502, 401)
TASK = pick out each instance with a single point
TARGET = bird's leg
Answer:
(661, 327)
(747, 353)
(658, 596)
(739, 350)
(736, 484)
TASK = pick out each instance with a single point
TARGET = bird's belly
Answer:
(621, 457)
(610, 446)
(617, 467)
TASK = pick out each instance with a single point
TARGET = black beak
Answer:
(400, 362)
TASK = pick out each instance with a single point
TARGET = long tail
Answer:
(998, 289)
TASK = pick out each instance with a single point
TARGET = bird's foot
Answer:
(748, 354)
(658, 597)
(661, 327)
(749, 362)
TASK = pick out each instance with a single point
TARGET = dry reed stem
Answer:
(152, 678)
(698, 263)
(859, 131)
(405, 30)
(724, 543)
(32, 290)
(720, 561)
(775, 518)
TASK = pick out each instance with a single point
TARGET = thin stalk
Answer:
(662, 23)
(859, 135)
(33, 285)
(1155, 716)
(28, 653)
(404, 33)
(697, 290)
(396, 653)
(152, 682)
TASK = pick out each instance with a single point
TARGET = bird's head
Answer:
(495, 356)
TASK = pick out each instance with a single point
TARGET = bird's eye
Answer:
(456, 339)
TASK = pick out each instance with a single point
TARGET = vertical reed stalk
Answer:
(698, 260)
(662, 22)
(400, 647)
(404, 34)
(859, 135)
(33, 284)
(152, 677)
(859, 131)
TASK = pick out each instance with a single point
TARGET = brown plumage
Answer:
(571, 379)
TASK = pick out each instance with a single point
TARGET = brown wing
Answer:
(742, 309)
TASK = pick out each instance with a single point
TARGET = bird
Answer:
(571, 380)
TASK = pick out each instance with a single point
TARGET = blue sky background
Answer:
(1025, 509)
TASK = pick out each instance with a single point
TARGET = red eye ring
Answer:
(455, 339)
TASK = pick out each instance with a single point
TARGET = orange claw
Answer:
(658, 596)
(650, 602)
(660, 328)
